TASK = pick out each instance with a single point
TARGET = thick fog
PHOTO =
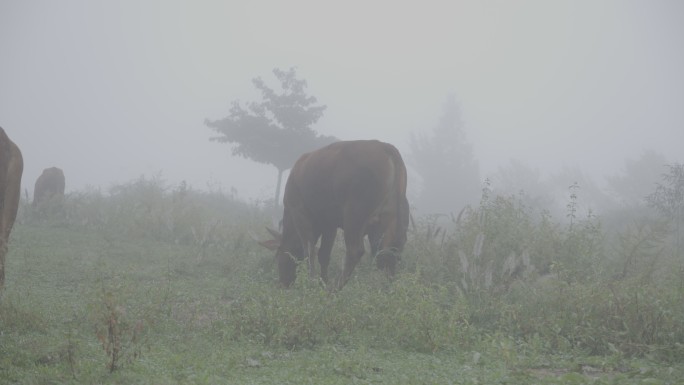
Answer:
(110, 91)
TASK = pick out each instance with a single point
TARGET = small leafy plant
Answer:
(121, 333)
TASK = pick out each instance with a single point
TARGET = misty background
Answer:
(534, 93)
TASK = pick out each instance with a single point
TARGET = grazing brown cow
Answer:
(49, 184)
(11, 168)
(356, 186)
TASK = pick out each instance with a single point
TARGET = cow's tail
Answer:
(401, 205)
(400, 175)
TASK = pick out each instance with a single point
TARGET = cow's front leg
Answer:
(353, 240)
(324, 252)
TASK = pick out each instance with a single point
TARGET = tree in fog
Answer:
(572, 187)
(628, 190)
(275, 130)
(444, 160)
(638, 179)
(668, 199)
(518, 178)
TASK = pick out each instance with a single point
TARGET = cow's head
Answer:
(274, 243)
(287, 265)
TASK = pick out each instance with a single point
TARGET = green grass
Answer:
(57, 280)
(114, 304)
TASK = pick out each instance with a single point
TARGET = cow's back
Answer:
(5, 156)
(362, 172)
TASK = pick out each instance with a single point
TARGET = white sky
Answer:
(112, 90)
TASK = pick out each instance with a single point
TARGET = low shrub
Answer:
(622, 317)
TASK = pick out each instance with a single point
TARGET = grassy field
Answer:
(153, 285)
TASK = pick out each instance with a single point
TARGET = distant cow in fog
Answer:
(50, 184)
(11, 168)
(359, 186)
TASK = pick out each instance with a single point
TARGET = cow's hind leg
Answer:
(386, 257)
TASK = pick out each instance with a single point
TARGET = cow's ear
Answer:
(271, 244)
(275, 234)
